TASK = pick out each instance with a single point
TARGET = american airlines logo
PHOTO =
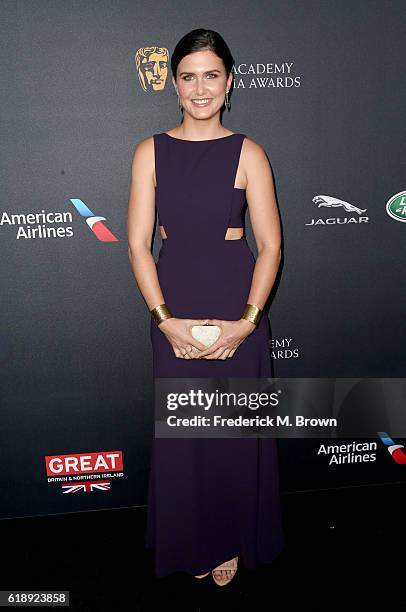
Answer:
(396, 450)
(39, 225)
(95, 223)
(48, 224)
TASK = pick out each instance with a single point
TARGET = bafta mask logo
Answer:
(151, 64)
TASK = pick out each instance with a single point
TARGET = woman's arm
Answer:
(265, 222)
(140, 223)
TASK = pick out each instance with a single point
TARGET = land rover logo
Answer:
(396, 206)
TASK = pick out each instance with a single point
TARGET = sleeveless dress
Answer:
(209, 499)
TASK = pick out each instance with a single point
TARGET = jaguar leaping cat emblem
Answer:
(330, 202)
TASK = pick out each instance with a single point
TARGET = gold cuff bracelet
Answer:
(160, 313)
(252, 313)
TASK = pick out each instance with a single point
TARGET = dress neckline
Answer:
(208, 140)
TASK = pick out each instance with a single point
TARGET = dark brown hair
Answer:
(202, 40)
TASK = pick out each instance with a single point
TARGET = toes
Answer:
(225, 575)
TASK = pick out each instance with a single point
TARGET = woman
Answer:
(211, 502)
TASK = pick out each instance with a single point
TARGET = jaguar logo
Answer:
(332, 202)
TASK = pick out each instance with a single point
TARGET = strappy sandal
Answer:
(228, 565)
(203, 575)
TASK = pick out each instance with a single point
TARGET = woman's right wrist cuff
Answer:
(161, 313)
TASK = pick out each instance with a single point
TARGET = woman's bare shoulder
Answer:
(143, 160)
(144, 146)
(253, 156)
(253, 148)
(143, 153)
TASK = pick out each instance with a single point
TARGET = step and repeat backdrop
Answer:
(319, 85)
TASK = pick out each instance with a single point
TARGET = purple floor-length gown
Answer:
(209, 500)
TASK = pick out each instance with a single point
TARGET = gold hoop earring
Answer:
(227, 102)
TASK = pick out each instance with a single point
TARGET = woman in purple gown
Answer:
(212, 503)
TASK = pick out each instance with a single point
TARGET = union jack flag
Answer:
(87, 487)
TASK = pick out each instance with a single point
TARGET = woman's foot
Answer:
(224, 573)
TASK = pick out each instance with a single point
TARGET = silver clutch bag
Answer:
(207, 334)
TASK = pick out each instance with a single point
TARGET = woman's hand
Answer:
(178, 333)
(232, 334)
